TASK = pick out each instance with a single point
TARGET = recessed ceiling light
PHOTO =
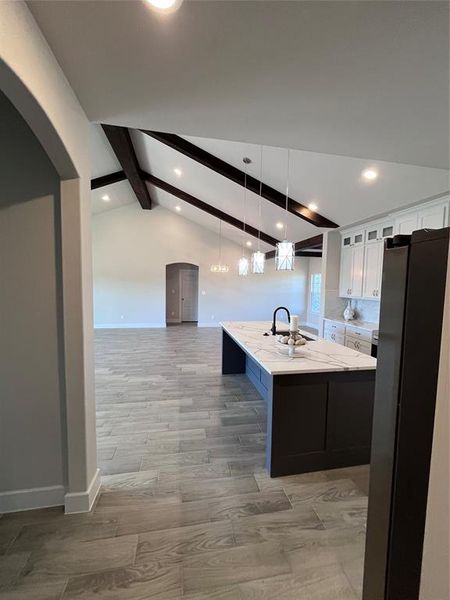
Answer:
(279, 225)
(178, 172)
(312, 206)
(165, 5)
(106, 198)
(178, 208)
(248, 243)
(370, 174)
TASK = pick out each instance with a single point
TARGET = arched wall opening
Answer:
(32, 424)
(32, 81)
(182, 293)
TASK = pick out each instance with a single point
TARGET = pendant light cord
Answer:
(287, 192)
(244, 207)
(260, 195)
(220, 243)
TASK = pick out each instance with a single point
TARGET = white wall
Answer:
(32, 79)
(435, 576)
(32, 435)
(131, 248)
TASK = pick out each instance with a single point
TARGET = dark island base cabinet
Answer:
(315, 421)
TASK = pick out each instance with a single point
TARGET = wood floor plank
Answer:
(152, 581)
(327, 583)
(72, 558)
(215, 488)
(286, 527)
(232, 566)
(174, 544)
(225, 523)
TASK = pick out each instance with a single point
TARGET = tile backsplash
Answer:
(367, 310)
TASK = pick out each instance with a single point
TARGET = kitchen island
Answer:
(319, 402)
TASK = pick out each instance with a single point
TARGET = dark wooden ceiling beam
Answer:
(305, 253)
(99, 182)
(226, 170)
(312, 243)
(120, 140)
(211, 210)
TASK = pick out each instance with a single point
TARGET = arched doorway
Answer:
(31, 81)
(181, 293)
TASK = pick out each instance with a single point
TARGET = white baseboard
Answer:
(130, 325)
(206, 324)
(79, 502)
(29, 499)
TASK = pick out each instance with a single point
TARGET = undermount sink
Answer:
(281, 332)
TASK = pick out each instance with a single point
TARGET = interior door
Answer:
(189, 294)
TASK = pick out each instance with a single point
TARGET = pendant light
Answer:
(243, 261)
(259, 258)
(219, 267)
(285, 251)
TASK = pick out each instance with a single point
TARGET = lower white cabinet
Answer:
(332, 336)
(359, 345)
(352, 336)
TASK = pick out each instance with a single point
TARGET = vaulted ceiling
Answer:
(333, 183)
(346, 85)
(365, 79)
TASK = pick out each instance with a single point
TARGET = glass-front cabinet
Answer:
(362, 248)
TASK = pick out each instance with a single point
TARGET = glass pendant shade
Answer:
(243, 266)
(258, 262)
(285, 256)
(220, 267)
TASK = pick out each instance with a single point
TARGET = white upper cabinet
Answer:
(406, 223)
(433, 217)
(362, 250)
(373, 267)
(357, 271)
(352, 268)
(345, 277)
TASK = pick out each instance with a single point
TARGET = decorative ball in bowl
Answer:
(294, 339)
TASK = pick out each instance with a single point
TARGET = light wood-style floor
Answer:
(187, 510)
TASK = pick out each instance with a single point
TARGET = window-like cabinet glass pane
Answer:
(388, 231)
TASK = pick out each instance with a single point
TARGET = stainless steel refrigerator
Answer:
(412, 362)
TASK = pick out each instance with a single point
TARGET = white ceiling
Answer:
(334, 183)
(360, 79)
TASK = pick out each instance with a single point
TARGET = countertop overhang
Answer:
(318, 356)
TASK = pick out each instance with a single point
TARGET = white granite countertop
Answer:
(317, 356)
